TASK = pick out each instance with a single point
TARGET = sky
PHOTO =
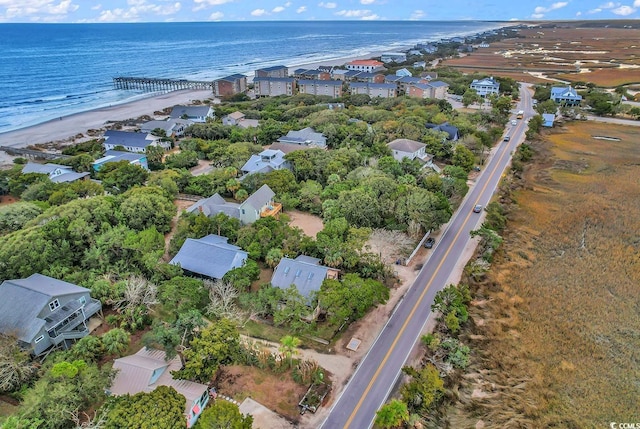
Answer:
(75, 11)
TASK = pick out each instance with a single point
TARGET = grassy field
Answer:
(556, 324)
(605, 77)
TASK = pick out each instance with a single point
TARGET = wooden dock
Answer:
(34, 154)
(150, 84)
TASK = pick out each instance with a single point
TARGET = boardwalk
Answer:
(150, 84)
(35, 154)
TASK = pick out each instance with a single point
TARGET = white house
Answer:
(486, 86)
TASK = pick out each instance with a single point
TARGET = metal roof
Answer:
(306, 275)
(406, 145)
(209, 256)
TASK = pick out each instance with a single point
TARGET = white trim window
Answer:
(54, 304)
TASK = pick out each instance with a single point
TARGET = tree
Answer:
(360, 208)
(425, 388)
(143, 208)
(116, 341)
(351, 298)
(218, 344)
(14, 216)
(16, 367)
(392, 414)
(223, 414)
(182, 294)
(174, 338)
(222, 300)
(288, 346)
(463, 157)
(162, 408)
(155, 154)
(118, 177)
(184, 159)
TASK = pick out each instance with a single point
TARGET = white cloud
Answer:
(328, 5)
(367, 1)
(609, 5)
(539, 11)
(301, 9)
(596, 10)
(258, 12)
(418, 14)
(357, 13)
(370, 17)
(97, 7)
(623, 10)
(277, 9)
(578, 13)
(216, 16)
(636, 3)
(287, 4)
(212, 2)
(38, 10)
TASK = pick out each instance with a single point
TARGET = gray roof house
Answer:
(57, 173)
(171, 127)
(193, 113)
(548, 119)
(411, 149)
(306, 136)
(259, 204)
(133, 142)
(304, 272)
(266, 161)
(238, 119)
(43, 312)
(452, 132)
(209, 256)
(148, 369)
(485, 86)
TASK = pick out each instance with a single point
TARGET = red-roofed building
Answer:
(365, 65)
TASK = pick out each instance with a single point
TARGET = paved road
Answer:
(379, 370)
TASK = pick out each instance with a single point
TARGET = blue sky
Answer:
(274, 10)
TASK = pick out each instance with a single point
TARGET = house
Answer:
(420, 64)
(304, 272)
(428, 48)
(436, 89)
(364, 65)
(193, 113)
(330, 88)
(266, 161)
(230, 85)
(414, 52)
(209, 256)
(287, 147)
(306, 137)
(565, 95)
(411, 149)
(148, 369)
(370, 77)
(132, 142)
(403, 73)
(274, 86)
(238, 119)
(259, 204)
(57, 173)
(548, 119)
(393, 57)
(338, 74)
(117, 156)
(171, 127)
(273, 71)
(486, 86)
(43, 312)
(383, 90)
(429, 76)
(452, 132)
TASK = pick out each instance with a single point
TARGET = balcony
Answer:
(272, 209)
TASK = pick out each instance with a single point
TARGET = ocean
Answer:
(53, 70)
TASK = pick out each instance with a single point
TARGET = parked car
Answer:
(477, 208)
(429, 242)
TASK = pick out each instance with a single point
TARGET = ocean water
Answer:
(53, 70)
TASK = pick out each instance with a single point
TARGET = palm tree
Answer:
(116, 341)
(288, 346)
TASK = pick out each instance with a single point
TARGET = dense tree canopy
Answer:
(162, 408)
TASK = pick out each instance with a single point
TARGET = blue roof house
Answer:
(304, 272)
(209, 256)
(117, 156)
(565, 95)
(548, 119)
(132, 142)
(43, 312)
(56, 173)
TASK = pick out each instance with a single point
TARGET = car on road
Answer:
(428, 244)
(506, 138)
(514, 122)
(477, 208)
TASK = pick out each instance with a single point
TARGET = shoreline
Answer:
(73, 128)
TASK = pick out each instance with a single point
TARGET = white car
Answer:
(514, 122)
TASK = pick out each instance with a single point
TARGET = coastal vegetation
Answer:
(521, 358)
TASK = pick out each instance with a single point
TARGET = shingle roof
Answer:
(190, 111)
(236, 115)
(274, 79)
(34, 167)
(260, 198)
(303, 272)
(135, 373)
(304, 136)
(287, 147)
(216, 204)
(23, 299)
(272, 68)
(405, 145)
(265, 161)
(209, 256)
(69, 177)
(125, 138)
(438, 83)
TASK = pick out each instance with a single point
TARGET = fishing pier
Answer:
(150, 84)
